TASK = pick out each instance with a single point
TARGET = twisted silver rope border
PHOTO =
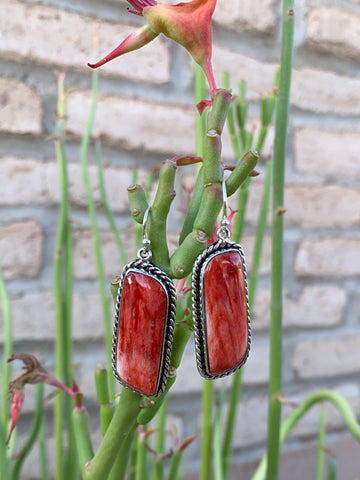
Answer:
(155, 272)
(198, 307)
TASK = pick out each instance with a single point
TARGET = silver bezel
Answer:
(151, 270)
(198, 306)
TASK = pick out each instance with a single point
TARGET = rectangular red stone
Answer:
(225, 312)
(141, 332)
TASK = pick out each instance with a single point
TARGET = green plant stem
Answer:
(195, 242)
(206, 428)
(138, 202)
(200, 94)
(106, 205)
(120, 427)
(231, 420)
(61, 293)
(141, 459)
(241, 172)
(218, 460)
(95, 229)
(174, 465)
(332, 469)
(83, 438)
(281, 124)
(5, 370)
(337, 400)
(231, 122)
(239, 219)
(103, 397)
(260, 235)
(42, 446)
(319, 474)
(156, 224)
(118, 471)
(158, 473)
(194, 206)
(35, 427)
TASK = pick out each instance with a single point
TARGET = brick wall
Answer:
(145, 114)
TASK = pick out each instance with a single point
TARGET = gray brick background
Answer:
(145, 114)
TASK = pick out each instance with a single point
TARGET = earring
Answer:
(144, 324)
(220, 305)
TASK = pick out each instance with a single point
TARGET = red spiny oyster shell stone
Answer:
(226, 322)
(143, 314)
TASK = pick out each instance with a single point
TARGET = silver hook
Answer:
(223, 232)
(145, 253)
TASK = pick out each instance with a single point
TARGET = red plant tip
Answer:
(78, 400)
(187, 442)
(186, 160)
(17, 400)
(254, 173)
(201, 106)
(134, 41)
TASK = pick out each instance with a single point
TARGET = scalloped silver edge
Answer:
(148, 268)
(198, 307)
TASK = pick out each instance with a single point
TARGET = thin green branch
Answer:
(35, 428)
(106, 205)
(123, 422)
(320, 458)
(337, 400)
(95, 229)
(281, 127)
(5, 370)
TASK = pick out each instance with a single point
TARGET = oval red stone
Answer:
(225, 312)
(140, 341)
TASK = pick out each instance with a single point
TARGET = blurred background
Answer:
(145, 115)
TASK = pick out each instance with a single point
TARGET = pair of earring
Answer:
(145, 313)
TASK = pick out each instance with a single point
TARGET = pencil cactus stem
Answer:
(242, 171)
(211, 202)
(137, 201)
(156, 224)
(219, 111)
(212, 152)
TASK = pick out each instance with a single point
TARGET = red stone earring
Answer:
(220, 305)
(144, 324)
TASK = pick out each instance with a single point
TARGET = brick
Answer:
(116, 182)
(334, 30)
(265, 263)
(34, 317)
(316, 306)
(135, 124)
(251, 422)
(315, 90)
(325, 358)
(259, 76)
(244, 16)
(21, 244)
(323, 152)
(22, 181)
(188, 379)
(333, 257)
(27, 181)
(51, 36)
(20, 107)
(325, 92)
(84, 258)
(322, 206)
